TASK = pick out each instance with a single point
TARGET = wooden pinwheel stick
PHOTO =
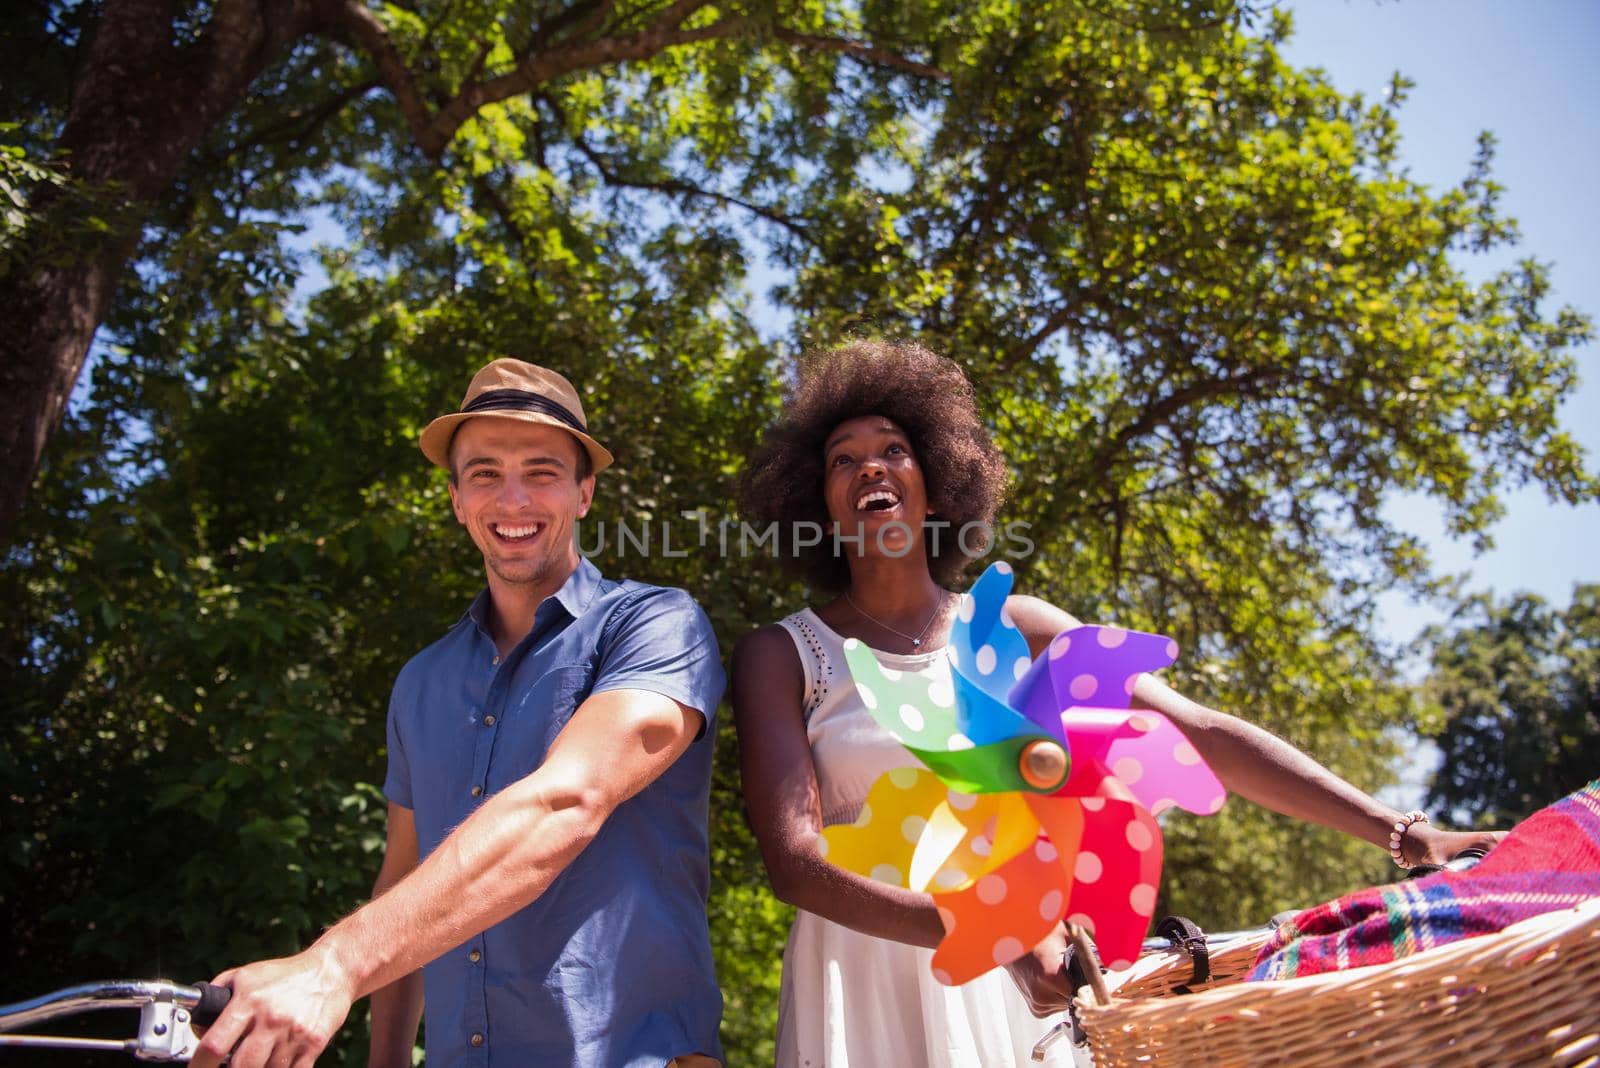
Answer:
(1091, 964)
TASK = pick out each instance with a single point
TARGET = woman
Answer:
(881, 444)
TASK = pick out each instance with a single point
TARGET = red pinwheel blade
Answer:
(1115, 875)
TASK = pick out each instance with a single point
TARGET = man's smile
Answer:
(516, 532)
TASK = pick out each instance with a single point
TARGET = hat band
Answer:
(518, 400)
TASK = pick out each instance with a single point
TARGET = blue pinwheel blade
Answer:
(984, 720)
(988, 654)
(985, 645)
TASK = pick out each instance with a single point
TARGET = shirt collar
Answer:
(580, 588)
(574, 595)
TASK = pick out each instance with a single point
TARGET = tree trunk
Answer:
(47, 321)
(141, 106)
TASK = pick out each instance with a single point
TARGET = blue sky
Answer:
(1529, 71)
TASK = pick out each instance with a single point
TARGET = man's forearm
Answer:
(499, 860)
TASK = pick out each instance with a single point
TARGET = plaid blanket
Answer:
(1549, 861)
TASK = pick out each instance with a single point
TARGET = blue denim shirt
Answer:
(611, 966)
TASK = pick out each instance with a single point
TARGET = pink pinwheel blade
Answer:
(1144, 753)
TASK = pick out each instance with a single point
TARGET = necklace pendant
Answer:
(916, 643)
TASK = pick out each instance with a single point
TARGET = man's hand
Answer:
(283, 1012)
(1042, 974)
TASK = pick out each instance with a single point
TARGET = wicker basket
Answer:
(1527, 995)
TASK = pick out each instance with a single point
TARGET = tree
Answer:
(1518, 687)
(1219, 325)
(1213, 323)
(153, 82)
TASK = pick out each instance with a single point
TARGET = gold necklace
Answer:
(916, 640)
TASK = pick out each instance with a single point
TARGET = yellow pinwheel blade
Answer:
(968, 836)
(882, 840)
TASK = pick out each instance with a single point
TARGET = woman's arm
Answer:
(780, 792)
(1262, 767)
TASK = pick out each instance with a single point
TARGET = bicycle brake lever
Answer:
(164, 1033)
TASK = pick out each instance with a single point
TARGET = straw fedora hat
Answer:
(513, 389)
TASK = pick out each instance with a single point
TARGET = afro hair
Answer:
(929, 398)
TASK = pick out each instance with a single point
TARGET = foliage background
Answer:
(1215, 324)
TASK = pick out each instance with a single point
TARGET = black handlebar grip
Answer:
(1465, 860)
(213, 999)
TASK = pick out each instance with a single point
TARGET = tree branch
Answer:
(675, 12)
(589, 15)
(297, 125)
(1159, 411)
(1023, 350)
(688, 189)
(545, 67)
(373, 38)
(433, 130)
(507, 217)
(871, 54)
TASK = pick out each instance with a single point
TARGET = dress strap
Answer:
(814, 661)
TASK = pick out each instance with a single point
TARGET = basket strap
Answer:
(1186, 935)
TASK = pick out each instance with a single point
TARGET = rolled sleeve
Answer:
(664, 643)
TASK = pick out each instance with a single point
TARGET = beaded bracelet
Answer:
(1402, 825)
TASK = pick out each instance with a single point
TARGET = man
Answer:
(549, 768)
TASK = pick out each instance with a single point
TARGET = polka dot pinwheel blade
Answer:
(881, 841)
(985, 644)
(983, 720)
(1090, 666)
(1001, 916)
(919, 712)
(1142, 752)
(1114, 875)
(1062, 819)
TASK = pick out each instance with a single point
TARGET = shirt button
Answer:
(474, 956)
(476, 1039)
(496, 661)
(477, 791)
(488, 721)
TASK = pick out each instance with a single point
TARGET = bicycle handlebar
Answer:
(213, 999)
(166, 1012)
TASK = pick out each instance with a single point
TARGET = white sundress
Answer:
(850, 1000)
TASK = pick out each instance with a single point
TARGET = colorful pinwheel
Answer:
(1041, 786)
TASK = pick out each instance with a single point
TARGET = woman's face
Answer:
(872, 485)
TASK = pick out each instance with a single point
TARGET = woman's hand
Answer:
(1425, 844)
(1042, 974)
